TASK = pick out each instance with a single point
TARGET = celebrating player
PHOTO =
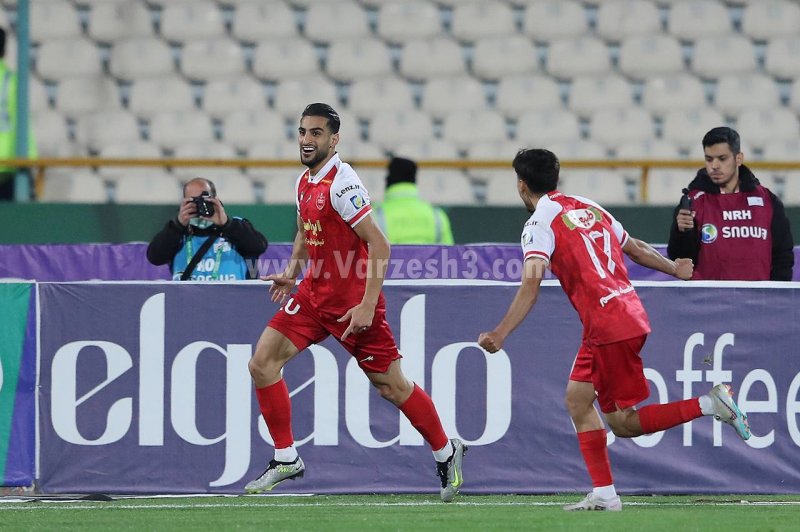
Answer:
(335, 233)
(583, 245)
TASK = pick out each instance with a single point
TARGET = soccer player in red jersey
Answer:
(584, 245)
(339, 295)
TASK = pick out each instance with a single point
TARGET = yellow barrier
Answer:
(645, 165)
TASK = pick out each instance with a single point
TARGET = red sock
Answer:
(654, 418)
(420, 411)
(277, 411)
(595, 454)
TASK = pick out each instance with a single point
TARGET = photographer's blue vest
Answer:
(221, 262)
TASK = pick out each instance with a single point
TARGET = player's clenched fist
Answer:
(491, 341)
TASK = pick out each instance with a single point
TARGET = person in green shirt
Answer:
(8, 124)
(403, 216)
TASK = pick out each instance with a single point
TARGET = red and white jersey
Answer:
(582, 243)
(330, 204)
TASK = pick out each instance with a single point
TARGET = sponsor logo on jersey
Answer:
(755, 201)
(527, 238)
(357, 200)
(738, 214)
(582, 218)
(346, 190)
(708, 233)
(321, 201)
(745, 231)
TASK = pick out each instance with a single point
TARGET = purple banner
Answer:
(127, 262)
(145, 389)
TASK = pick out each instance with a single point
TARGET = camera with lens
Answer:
(205, 209)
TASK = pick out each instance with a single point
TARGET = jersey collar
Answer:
(334, 163)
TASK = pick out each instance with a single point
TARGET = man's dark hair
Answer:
(723, 135)
(537, 168)
(210, 184)
(326, 111)
(401, 171)
(2, 43)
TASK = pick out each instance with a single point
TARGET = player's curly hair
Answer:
(326, 111)
(537, 168)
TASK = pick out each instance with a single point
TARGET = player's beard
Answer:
(314, 158)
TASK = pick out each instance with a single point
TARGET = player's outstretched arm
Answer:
(283, 283)
(523, 302)
(643, 253)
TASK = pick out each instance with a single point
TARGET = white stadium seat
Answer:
(578, 149)
(111, 21)
(255, 18)
(686, 128)
(662, 94)
(281, 59)
(243, 129)
(519, 93)
(101, 128)
(694, 19)
(435, 57)
(78, 96)
(402, 21)
(368, 96)
(736, 93)
(234, 189)
(763, 126)
(235, 93)
(50, 130)
(781, 57)
(149, 97)
(536, 128)
(358, 59)
(626, 18)
(73, 185)
(207, 59)
(158, 187)
(481, 18)
(331, 21)
(606, 187)
(37, 95)
(567, 58)
(616, 127)
(426, 149)
(292, 96)
(547, 20)
(185, 20)
(207, 150)
(141, 57)
(496, 57)
(783, 150)
(500, 182)
(794, 96)
(738, 52)
(589, 94)
(650, 55)
(466, 127)
(53, 19)
(172, 129)
(389, 127)
(454, 93)
(445, 187)
(276, 150)
(128, 150)
(68, 58)
(769, 19)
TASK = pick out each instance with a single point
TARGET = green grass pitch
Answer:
(404, 512)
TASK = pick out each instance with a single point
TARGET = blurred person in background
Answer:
(8, 124)
(731, 226)
(403, 216)
(203, 243)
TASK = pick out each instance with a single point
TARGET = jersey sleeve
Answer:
(350, 198)
(616, 226)
(538, 240)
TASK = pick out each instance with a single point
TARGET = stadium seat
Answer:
(158, 187)
(53, 19)
(738, 52)
(352, 151)
(326, 22)
(476, 125)
(738, 92)
(98, 129)
(426, 149)
(149, 97)
(73, 185)
(253, 16)
(208, 150)
(627, 18)
(243, 129)
(481, 18)
(233, 189)
(503, 150)
(769, 19)
(567, 58)
(37, 95)
(68, 58)
(185, 20)
(128, 150)
(236, 93)
(496, 57)
(411, 20)
(207, 59)
(577, 149)
(546, 20)
(685, 128)
(781, 57)
(111, 21)
(764, 126)
(538, 127)
(358, 59)
(172, 129)
(292, 96)
(662, 94)
(280, 59)
(368, 96)
(645, 56)
(519, 93)
(606, 187)
(50, 130)
(445, 187)
(783, 150)
(589, 94)
(695, 19)
(616, 127)
(276, 150)
(140, 57)
(440, 56)
(77, 96)
(390, 127)
(663, 184)
(441, 96)
(794, 96)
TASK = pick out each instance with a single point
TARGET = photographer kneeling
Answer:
(203, 244)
